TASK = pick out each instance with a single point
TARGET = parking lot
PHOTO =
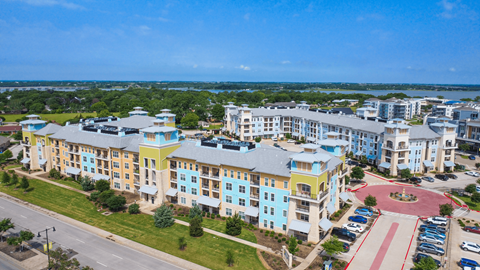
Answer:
(461, 182)
(458, 236)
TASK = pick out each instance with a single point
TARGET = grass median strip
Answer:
(208, 250)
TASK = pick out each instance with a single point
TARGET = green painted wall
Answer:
(159, 155)
(164, 153)
(304, 179)
(172, 124)
(31, 137)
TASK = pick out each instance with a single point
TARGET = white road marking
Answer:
(102, 264)
(117, 256)
(23, 216)
(80, 241)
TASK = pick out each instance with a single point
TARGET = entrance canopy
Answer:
(428, 164)
(385, 165)
(203, 200)
(252, 211)
(325, 224)
(402, 166)
(344, 196)
(97, 177)
(300, 226)
(25, 160)
(171, 192)
(331, 207)
(148, 189)
(449, 164)
(42, 162)
(74, 171)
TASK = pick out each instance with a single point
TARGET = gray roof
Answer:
(4, 140)
(465, 108)
(135, 121)
(331, 142)
(310, 157)
(32, 122)
(158, 129)
(48, 129)
(422, 132)
(72, 134)
(261, 160)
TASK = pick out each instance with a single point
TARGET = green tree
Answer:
(5, 178)
(288, 136)
(258, 139)
(196, 212)
(182, 243)
(54, 174)
(24, 183)
(20, 156)
(471, 188)
(104, 196)
(426, 263)
(24, 237)
(99, 106)
(133, 209)
(37, 107)
(59, 261)
(163, 217)
(115, 203)
(7, 154)
(218, 112)
(364, 160)
(104, 113)
(230, 258)
(196, 229)
(477, 165)
(370, 201)
(333, 246)
(292, 245)
(475, 197)
(234, 225)
(190, 120)
(357, 173)
(446, 209)
(5, 225)
(405, 174)
(102, 185)
(464, 147)
(14, 180)
(440, 97)
(86, 183)
(18, 136)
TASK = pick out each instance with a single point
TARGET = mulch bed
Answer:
(340, 212)
(317, 264)
(273, 243)
(14, 252)
(130, 197)
(276, 262)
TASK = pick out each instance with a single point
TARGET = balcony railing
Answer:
(101, 156)
(135, 160)
(215, 189)
(343, 172)
(255, 183)
(173, 167)
(303, 208)
(254, 196)
(136, 183)
(205, 186)
(304, 194)
(450, 145)
(173, 180)
(26, 143)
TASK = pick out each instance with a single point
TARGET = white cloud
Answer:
(246, 68)
(62, 3)
(243, 67)
(221, 66)
(310, 7)
(456, 9)
(285, 62)
(143, 30)
(195, 66)
(409, 67)
(247, 16)
(163, 19)
(452, 69)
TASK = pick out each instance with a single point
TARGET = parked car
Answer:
(290, 141)
(441, 177)
(473, 229)
(353, 227)
(470, 246)
(437, 221)
(425, 237)
(468, 263)
(358, 219)
(342, 233)
(364, 212)
(471, 157)
(420, 256)
(435, 233)
(274, 139)
(363, 166)
(346, 247)
(437, 228)
(430, 248)
(297, 142)
(415, 180)
(474, 174)
(428, 178)
(276, 145)
(451, 176)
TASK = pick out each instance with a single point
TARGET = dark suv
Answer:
(451, 176)
(344, 234)
(420, 256)
(441, 177)
(415, 180)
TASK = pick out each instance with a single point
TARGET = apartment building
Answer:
(395, 108)
(443, 110)
(293, 193)
(430, 147)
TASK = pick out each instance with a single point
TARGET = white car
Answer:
(474, 174)
(470, 246)
(437, 221)
(290, 141)
(274, 139)
(353, 227)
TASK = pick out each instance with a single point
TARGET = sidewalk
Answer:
(35, 175)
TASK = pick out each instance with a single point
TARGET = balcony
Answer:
(172, 167)
(205, 186)
(254, 196)
(73, 150)
(174, 180)
(136, 171)
(450, 146)
(136, 183)
(343, 172)
(255, 183)
(101, 156)
(135, 160)
(302, 208)
(25, 143)
(216, 189)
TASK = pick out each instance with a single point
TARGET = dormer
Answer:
(167, 116)
(333, 144)
(397, 128)
(138, 111)
(303, 106)
(33, 123)
(443, 127)
(244, 110)
(310, 161)
(159, 134)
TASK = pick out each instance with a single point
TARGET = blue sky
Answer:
(296, 41)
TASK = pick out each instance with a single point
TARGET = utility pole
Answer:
(48, 247)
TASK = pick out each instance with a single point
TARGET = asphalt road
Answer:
(93, 250)
(5, 265)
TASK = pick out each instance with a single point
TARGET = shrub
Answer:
(203, 213)
(284, 239)
(276, 237)
(261, 230)
(163, 217)
(234, 225)
(279, 240)
(300, 242)
(196, 229)
(271, 235)
(195, 212)
(208, 214)
(94, 195)
(309, 245)
(54, 174)
(171, 205)
(86, 184)
(280, 234)
(182, 243)
(337, 214)
(212, 216)
(69, 179)
(102, 185)
(104, 196)
(230, 258)
(218, 215)
(133, 209)
(224, 218)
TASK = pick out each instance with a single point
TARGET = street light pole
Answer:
(48, 247)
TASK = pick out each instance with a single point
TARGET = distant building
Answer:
(4, 143)
(10, 129)
(445, 110)
(464, 112)
(351, 102)
(290, 104)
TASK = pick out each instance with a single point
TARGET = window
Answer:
(241, 214)
(271, 225)
(285, 199)
(272, 197)
(284, 227)
(145, 162)
(272, 211)
(265, 196)
(115, 154)
(127, 165)
(167, 136)
(241, 202)
(85, 169)
(228, 186)
(265, 223)
(183, 200)
(182, 177)
(245, 176)
(238, 175)
(116, 165)
(179, 165)
(92, 170)
(241, 189)
(183, 188)
(304, 217)
(273, 182)
(196, 167)
(285, 184)
(266, 182)
(225, 173)
(228, 198)
(116, 174)
(284, 213)
(127, 176)
(185, 165)
(194, 179)
(84, 159)
(228, 211)
(231, 174)
(153, 164)
(191, 166)
(125, 155)
(265, 209)
(116, 185)
(91, 160)
(194, 202)
(194, 191)
(150, 137)
(127, 186)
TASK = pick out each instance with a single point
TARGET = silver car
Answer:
(430, 238)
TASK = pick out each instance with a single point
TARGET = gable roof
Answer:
(48, 129)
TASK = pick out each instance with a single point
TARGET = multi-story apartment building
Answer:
(293, 193)
(395, 108)
(424, 148)
(465, 112)
(443, 110)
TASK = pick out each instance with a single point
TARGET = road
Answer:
(5, 265)
(93, 250)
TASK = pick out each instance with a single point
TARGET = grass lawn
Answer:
(9, 167)
(206, 250)
(464, 157)
(58, 117)
(68, 183)
(215, 126)
(220, 226)
(468, 201)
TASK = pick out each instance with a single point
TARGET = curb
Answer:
(409, 245)
(448, 195)
(390, 181)
(353, 190)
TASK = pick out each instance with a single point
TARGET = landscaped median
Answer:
(208, 250)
